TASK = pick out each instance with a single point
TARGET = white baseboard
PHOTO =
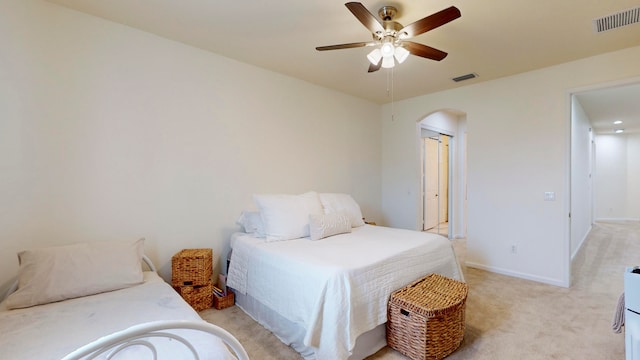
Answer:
(581, 243)
(517, 274)
(616, 219)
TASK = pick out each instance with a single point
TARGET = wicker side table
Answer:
(192, 267)
(191, 271)
(425, 320)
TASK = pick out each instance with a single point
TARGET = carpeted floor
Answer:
(510, 318)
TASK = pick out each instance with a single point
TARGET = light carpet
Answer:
(511, 318)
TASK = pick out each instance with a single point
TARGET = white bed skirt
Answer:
(292, 334)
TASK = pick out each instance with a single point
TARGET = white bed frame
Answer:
(139, 335)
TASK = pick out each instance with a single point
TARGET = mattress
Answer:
(337, 288)
(53, 330)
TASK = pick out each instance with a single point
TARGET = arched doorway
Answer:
(442, 137)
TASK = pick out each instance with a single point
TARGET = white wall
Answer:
(581, 176)
(518, 149)
(107, 132)
(633, 176)
(617, 176)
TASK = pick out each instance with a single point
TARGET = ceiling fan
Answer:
(392, 37)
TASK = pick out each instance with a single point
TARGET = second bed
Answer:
(328, 299)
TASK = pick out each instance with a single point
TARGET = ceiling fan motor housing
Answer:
(387, 13)
(391, 28)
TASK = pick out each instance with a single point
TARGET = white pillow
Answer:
(342, 203)
(287, 216)
(322, 226)
(251, 222)
(64, 272)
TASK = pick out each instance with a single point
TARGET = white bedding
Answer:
(53, 330)
(337, 288)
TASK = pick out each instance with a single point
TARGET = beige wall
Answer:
(581, 176)
(107, 132)
(530, 115)
(617, 175)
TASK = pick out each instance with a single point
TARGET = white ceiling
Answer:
(604, 106)
(493, 38)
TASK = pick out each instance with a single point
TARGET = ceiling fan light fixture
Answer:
(401, 54)
(387, 49)
(375, 56)
(388, 62)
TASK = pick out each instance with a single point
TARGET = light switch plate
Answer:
(549, 196)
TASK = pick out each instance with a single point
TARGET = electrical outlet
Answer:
(514, 249)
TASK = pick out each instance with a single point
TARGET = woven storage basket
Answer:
(192, 267)
(200, 297)
(223, 302)
(426, 319)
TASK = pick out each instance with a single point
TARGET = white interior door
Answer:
(431, 188)
(443, 175)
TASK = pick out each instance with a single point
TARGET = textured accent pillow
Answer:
(287, 216)
(64, 272)
(342, 203)
(251, 222)
(322, 226)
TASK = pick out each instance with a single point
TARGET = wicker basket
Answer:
(426, 318)
(200, 297)
(192, 267)
(223, 302)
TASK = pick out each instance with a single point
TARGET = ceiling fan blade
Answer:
(366, 18)
(345, 46)
(430, 22)
(424, 50)
(376, 67)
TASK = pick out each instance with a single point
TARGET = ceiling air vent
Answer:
(617, 20)
(465, 77)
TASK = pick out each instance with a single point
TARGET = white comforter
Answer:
(53, 330)
(337, 288)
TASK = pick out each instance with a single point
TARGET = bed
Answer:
(327, 298)
(137, 321)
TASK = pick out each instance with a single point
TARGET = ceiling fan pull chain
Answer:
(390, 77)
(388, 86)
